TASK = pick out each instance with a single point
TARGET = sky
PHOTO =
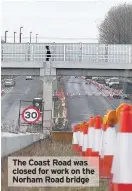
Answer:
(55, 20)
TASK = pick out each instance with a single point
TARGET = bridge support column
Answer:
(48, 103)
(47, 69)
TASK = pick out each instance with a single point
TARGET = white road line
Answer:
(28, 89)
(6, 91)
(9, 89)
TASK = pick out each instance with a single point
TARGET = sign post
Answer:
(31, 115)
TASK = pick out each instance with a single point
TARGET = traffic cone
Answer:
(122, 172)
(81, 137)
(75, 139)
(97, 136)
(118, 112)
(109, 148)
(101, 152)
(96, 141)
(85, 139)
(113, 167)
(109, 143)
(90, 136)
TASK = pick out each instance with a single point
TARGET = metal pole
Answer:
(80, 59)
(14, 37)
(30, 37)
(6, 35)
(20, 33)
(36, 38)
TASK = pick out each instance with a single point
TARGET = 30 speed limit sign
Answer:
(31, 115)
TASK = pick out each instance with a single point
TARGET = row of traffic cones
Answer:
(109, 138)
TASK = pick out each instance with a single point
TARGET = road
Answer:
(10, 101)
(81, 107)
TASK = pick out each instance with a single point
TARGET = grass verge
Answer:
(44, 148)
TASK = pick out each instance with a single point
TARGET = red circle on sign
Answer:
(31, 122)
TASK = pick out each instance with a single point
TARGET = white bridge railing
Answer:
(67, 52)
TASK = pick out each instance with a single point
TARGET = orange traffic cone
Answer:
(96, 141)
(90, 136)
(109, 143)
(81, 137)
(97, 136)
(112, 170)
(101, 152)
(85, 139)
(109, 149)
(75, 139)
(78, 136)
(122, 172)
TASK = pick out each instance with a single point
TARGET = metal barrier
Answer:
(67, 52)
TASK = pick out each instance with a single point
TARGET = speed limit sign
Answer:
(31, 115)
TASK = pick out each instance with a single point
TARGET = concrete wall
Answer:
(93, 72)
(10, 144)
(92, 65)
(62, 68)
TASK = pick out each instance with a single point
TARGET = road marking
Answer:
(6, 91)
(9, 89)
(28, 89)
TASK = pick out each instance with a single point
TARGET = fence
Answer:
(79, 52)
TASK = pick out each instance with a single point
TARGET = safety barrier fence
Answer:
(107, 90)
(67, 52)
(109, 138)
(104, 91)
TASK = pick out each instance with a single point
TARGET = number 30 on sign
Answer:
(31, 115)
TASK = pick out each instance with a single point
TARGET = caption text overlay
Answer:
(53, 172)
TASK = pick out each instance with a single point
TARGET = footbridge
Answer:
(76, 59)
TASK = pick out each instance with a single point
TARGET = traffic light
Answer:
(38, 103)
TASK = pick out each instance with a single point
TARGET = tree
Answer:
(117, 25)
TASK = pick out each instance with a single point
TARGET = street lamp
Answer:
(20, 33)
(14, 36)
(36, 37)
(30, 36)
(6, 35)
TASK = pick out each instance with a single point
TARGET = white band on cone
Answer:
(90, 137)
(81, 139)
(122, 167)
(75, 138)
(85, 142)
(110, 141)
(101, 149)
(97, 139)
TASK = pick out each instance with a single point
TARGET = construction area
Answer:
(107, 137)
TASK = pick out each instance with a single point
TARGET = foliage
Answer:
(117, 25)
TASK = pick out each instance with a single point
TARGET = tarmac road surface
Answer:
(10, 101)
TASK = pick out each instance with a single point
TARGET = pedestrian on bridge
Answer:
(48, 53)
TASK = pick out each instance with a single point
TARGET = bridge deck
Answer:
(67, 59)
